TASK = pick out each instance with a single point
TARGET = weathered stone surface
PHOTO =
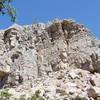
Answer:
(94, 92)
(61, 54)
(4, 69)
(95, 81)
(97, 90)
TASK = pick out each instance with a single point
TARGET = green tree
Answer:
(7, 8)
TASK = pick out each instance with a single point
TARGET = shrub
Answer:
(36, 96)
(63, 93)
(80, 98)
(4, 95)
(22, 97)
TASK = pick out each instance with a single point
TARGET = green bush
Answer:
(63, 93)
(4, 95)
(36, 96)
(80, 98)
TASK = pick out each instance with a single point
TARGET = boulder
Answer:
(92, 93)
(4, 70)
(97, 90)
(95, 81)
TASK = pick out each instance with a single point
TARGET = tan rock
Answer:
(92, 93)
(4, 71)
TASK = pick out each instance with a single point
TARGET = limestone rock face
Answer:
(36, 51)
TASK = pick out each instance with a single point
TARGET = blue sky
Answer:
(86, 12)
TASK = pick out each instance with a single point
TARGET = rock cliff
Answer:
(61, 59)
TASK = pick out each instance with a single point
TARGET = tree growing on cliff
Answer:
(7, 8)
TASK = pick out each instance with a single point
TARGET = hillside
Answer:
(61, 59)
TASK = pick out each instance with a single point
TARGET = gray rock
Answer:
(37, 54)
(95, 81)
(97, 90)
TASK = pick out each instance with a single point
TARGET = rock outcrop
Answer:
(58, 58)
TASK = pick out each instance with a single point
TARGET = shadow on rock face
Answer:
(3, 80)
(10, 38)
